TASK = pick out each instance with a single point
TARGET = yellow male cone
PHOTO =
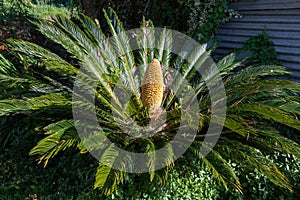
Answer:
(153, 86)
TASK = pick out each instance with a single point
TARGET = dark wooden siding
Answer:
(280, 18)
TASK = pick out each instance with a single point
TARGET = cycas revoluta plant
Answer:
(258, 99)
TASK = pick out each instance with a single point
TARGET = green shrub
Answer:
(14, 8)
(206, 16)
(66, 3)
(194, 17)
(46, 10)
(41, 9)
(263, 50)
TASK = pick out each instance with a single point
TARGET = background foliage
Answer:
(263, 50)
(206, 16)
(197, 18)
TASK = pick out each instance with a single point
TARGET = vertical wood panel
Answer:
(280, 18)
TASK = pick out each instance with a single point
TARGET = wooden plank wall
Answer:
(280, 18)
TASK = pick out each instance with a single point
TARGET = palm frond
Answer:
(291, 106)
(6, 67)
(104, 48)
(272, 141)
(238, 125)
(165, 45)
(251, 73)
(269, 113)
(218, 166)
(62, 135)
(35, 104)
(262, 90)
(146, 53)
(52, 61)
(57, 35)
(123, 50)
(251, 158)
(107, 176)
(230, 62)
(151, 152)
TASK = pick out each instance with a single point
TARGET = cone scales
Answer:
(152, 86)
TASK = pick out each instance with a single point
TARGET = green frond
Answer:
(165, 45)
(10, 86)
(94, 141)
(12, 82)
(195, 60)
(113, 21)
(92, 58)
(6, 67)
(187, 71)
(104, 51)
(251, 73)
(152, 158)
(159, 156)
(51, 60)
(146, 54)
(93, 30)
(40, 103)
(123, 50)
(62, 135)
(57, 35)
(286, 103)
(88, 48)
(161, 176)
(291, 106)
(268, 113)
(272, 141)
(108, 177)
(60, 126)
(230, 62)
(251, 158)
(149, 32)
(261, 91)
(218, 166)
(75, 33)
(239, 126)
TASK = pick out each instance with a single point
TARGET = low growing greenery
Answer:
(12, 9)
(183, 183)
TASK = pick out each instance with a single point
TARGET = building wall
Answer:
(280, 18)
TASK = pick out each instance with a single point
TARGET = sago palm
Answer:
(102, 81)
